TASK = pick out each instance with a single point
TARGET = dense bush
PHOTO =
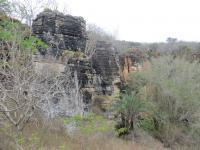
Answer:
(129, 107)
(171, 87)
(14, 35)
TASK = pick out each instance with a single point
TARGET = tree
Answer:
(171, 40)
(23, 90)
(129, 106)
(95, 34)
(172, 87)
(26, 10)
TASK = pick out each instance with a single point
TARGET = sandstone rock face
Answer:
(105, 62)
(60, 31)
(129, 62)
(83, 71)
(99, 75)
(84, 78)
(126, 65)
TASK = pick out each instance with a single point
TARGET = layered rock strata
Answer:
(102, 74)
(60, 31)
(105, 62)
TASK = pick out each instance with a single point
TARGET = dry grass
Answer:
(53, 136)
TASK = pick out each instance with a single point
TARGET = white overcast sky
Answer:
(141, 20)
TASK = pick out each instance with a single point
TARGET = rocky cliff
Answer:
(100, 75)
(105, 62)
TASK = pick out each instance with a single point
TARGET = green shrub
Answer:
(129, 107)
(177, 88)
(12, 31)
(122, 131)
(136, 81)
(32, 44)
(146, 123)
(171, 86)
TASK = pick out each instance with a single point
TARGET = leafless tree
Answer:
(23, 91)
(26, 10)
(4, 6)
(95, 34)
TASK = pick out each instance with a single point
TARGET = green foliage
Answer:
(129, 106)
(171, 88)
(20, 140)
(32, 44)
(122, 131)
(12, 31)
(13, 27)
(5, 35)
(89, 123)
(146, 123)
(62, 147)
(176, 88)
(6, 28)
(136, 81)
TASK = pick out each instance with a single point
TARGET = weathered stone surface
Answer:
(81, 68)
(102, 74)
(84, 70)
(87, 81)
(106, 64)
(96, 76)
(129, 62)
(60, 31)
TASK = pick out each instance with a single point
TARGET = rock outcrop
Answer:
(60, 31)
(83, 71)
(102, 74)
(129, 62)
(83, 82)
(105, 62)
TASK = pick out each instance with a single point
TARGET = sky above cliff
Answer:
(141, 20)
